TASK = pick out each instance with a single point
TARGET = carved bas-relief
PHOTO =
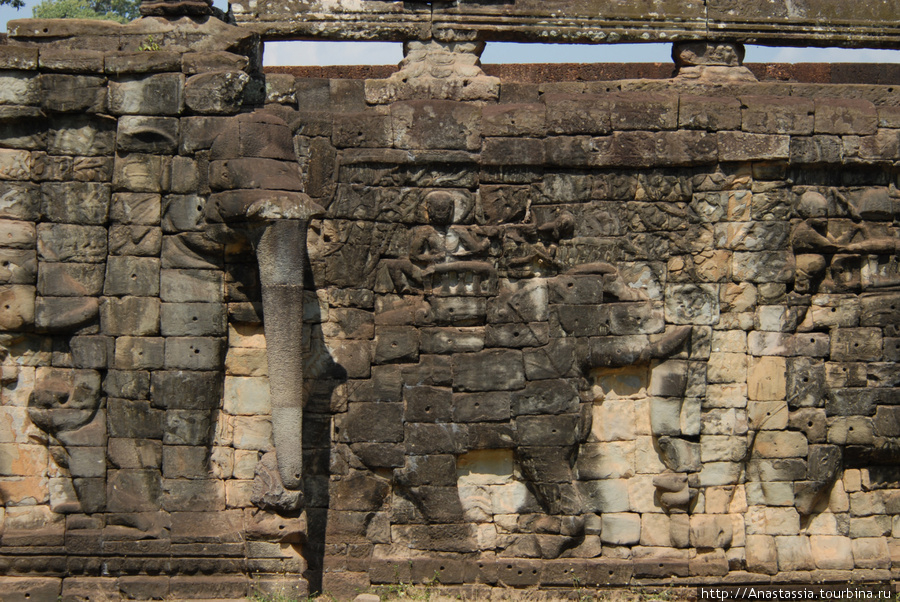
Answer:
(257, 195)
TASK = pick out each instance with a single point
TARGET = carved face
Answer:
(440, 207)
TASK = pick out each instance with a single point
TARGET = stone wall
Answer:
(563, 334)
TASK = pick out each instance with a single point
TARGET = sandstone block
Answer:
(139, 353)
(621, 528)
(439, 124)
(192, 319)
(490, 370)
(194, 353)
(832, 552)
(145, 134)
(159, 94)
(794, 553)
(73, 93)
(71, 243)
(17, 306)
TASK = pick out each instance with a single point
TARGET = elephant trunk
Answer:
(280, 251)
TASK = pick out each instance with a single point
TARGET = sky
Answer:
(382, 53)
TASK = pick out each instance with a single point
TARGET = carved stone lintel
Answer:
(436, 70)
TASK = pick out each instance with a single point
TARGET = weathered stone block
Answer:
(816, 150)
(66, 314)
(844, 430)
(653, 149)
(137, 276)
(639, 111)
(16, 164)
(73, 93)
(513, 120)
(70, 243)
(145, 134)
(424, 438)
(766, 378)
(777, 115)
(186, 390)
(217, 92)
(19, 88)
(182, 213)
(571, 114)
(606, 496)
(845, 116)
(133, 490)
(139, 353)
(366, 129)
(545, 397)
(194, 353)
(159, 94)
(427, 404)
(186, 427)
(135, 208)
(856, 344)
(373, 422)
(192, 319)
(17, 306)
(131, 316)
(490, 370)
(427, 124)
(692, 303)
(513, 151)
(135, 240)
(70, 279)
(396, 344)
(547, 430)
(741, 146)
(766, 266)
(19, 201)
(621, 528)
(180, 286)
(709, 113)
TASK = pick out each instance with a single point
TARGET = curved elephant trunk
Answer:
(280, 253)
(258, 196)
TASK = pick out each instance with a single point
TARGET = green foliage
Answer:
(121, 11)
(149, 44)
(13, 3)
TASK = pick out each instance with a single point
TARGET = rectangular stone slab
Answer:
(779, 22)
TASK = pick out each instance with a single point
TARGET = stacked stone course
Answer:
(580, 333)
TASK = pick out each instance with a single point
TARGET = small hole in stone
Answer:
(194, 319)
(427, 408)
(809, 424)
